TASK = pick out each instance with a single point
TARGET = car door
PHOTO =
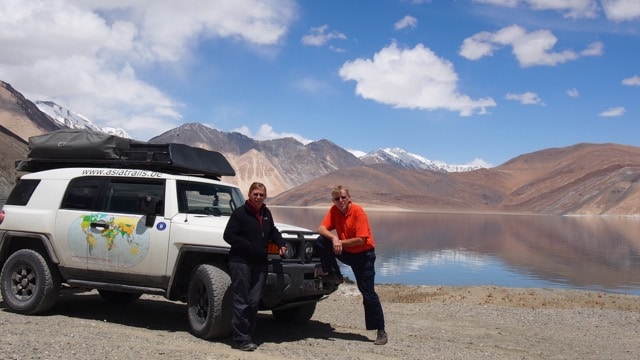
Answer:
(114, 238)
(71, 233)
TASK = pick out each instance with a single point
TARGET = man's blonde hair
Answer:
(338, 190)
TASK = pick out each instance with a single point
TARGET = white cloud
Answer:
(613, 112)
(478, 46)
(266, 132)
(632, 81)
(526, 98)
(507, 3)
(319, 36)
(594, 49)
(573, 92)
(87, 54)
(621, 10)
(312, 85)
(337, 49)
(405, 22)
(530, 48)
(413, 79)
(570, 8)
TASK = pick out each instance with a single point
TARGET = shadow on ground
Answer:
(158, 314)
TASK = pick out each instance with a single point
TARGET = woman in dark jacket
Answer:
(249, 230)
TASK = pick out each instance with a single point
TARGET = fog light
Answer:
(308, 250)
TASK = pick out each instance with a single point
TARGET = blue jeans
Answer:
(363, 266)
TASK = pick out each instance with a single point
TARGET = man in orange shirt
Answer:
(353, 244)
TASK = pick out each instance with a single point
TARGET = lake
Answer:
(423, 248)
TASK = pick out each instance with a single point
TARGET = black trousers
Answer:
(247, 281)
(363, 266)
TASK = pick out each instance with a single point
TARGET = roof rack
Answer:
(85, 148)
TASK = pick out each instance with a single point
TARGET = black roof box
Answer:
(86, 148)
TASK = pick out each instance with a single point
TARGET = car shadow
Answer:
(269, 330)
(157, 313)
(142, 313)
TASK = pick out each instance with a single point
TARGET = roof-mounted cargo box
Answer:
(85, 148)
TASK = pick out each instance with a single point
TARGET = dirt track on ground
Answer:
(423, 323)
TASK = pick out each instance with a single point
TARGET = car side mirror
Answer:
(147, 204)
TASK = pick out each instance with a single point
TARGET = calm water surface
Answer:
(588, 253)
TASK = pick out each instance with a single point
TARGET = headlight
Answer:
(291, 251)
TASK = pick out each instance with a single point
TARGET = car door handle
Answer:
(100, 224)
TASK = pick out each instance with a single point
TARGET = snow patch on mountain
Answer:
(395, 156)
(402, 158)
(73, 120)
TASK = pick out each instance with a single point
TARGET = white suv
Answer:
(145, 218)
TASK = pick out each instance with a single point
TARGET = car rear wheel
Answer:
(209, 302)
(28, 283)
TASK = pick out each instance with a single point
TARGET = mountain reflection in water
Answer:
(416, 248)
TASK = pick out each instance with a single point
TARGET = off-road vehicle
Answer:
(128, 218)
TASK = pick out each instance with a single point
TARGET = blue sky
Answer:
(448, 80)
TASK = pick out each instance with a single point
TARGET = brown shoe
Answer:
(334, 277)
(381, 339)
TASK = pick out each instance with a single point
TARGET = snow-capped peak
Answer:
(73, 120)
(402, 158)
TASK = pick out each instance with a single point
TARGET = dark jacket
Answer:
(249, 239)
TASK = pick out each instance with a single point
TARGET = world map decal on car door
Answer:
(109, 240)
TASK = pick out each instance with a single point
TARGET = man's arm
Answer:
(337, 243)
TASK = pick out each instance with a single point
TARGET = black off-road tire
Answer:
(295, 315)
(209, 302)
(28, 283)
(118, 297)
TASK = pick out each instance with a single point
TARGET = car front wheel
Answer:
(209, 302)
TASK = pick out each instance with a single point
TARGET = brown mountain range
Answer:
(281, 163)
(587, 179)
(590, 179)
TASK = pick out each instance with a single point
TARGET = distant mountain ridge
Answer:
(72, 120)
(20, 116)
(582, 179)
(403, 159)
(280, 163)
(396, 156)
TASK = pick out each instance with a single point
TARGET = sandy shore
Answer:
(423, 323)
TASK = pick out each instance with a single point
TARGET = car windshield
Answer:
(208, 199)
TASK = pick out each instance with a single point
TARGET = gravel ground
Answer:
(430, 322)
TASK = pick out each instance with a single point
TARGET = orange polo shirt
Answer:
(350, 225)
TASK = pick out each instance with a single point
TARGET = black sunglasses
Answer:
(337, 198)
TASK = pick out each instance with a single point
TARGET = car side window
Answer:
(22, 192)
(122, 195)
(81, 194)
(118, 195)
(207, 199)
